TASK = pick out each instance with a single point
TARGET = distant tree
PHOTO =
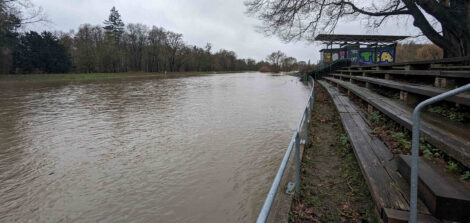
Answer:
(13, 14)
(444, 22)
(156, 40)
(275, 59)
(250, 64)
(9, 23)
(263, 66)
(135, 40)
(225, 60)
(41, 53)
(114, 25)
(174, 45)
(86, 52)
(288, 63)
(112, 54)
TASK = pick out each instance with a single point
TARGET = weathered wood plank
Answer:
(444, 200)
(379, 182)
(454, 60)
(381, 185)
(430, 73)
(397, 216)
(334, 93)
(463, 98)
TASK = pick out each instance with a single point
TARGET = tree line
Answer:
(111, 47)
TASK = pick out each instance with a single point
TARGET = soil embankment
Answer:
(332, 186)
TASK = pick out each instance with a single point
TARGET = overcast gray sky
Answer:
(220, 22)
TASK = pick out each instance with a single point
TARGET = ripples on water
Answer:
(193, 149)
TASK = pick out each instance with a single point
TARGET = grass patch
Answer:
(451, 112)
(398, 140)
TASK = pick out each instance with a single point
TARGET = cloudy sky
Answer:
(223, 23)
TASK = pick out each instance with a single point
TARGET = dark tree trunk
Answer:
(454, 17)
(455, 42)
(459, 37)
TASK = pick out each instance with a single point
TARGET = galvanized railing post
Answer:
(263, 214)
(295, 142)
(313, 94)
(297, 162)
(307, 123)
(415, 147)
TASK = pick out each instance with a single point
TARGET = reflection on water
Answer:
(193, 149)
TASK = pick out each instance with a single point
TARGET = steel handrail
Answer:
(295, 141)
(415, 147)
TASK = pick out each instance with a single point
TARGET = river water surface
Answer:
(189, 149)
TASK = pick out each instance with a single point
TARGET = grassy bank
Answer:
(98, 76)
(332, 186)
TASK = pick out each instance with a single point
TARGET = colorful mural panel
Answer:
(354, 56)
(376, 56)
(342, 54)
(335, 56)
(385, 56)
(367, 57)
(327, 57)
(379, 55)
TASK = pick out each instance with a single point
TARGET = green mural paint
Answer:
(366, 56)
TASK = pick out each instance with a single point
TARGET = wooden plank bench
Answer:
(416, 89)
(412, 64)
(453, 140)
(388, 189)
(444, 200)
(431, 73)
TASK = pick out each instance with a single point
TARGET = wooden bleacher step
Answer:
(429, 73)
(425, 64)
(444, 200)
(453, 140)
(388, 189)
(397, 216)
(412, 88)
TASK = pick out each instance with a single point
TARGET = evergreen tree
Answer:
(114, 29)
(41, 53)
(9, 23)
(114, 25)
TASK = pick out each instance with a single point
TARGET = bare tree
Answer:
(288, 63)
(24, 10)
(136, 39)
(445, 22)
(175, 45)
(156, 42)
(275, 59)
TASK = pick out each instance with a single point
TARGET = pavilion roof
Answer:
(339, 38)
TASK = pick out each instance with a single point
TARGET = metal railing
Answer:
(415, 147)
(295, 142)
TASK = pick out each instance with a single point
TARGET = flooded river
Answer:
(188, 149)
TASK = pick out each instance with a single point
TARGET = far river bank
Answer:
(99, 76)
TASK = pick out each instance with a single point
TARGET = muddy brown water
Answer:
(188, 149)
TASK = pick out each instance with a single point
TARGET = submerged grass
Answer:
(98, 76)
